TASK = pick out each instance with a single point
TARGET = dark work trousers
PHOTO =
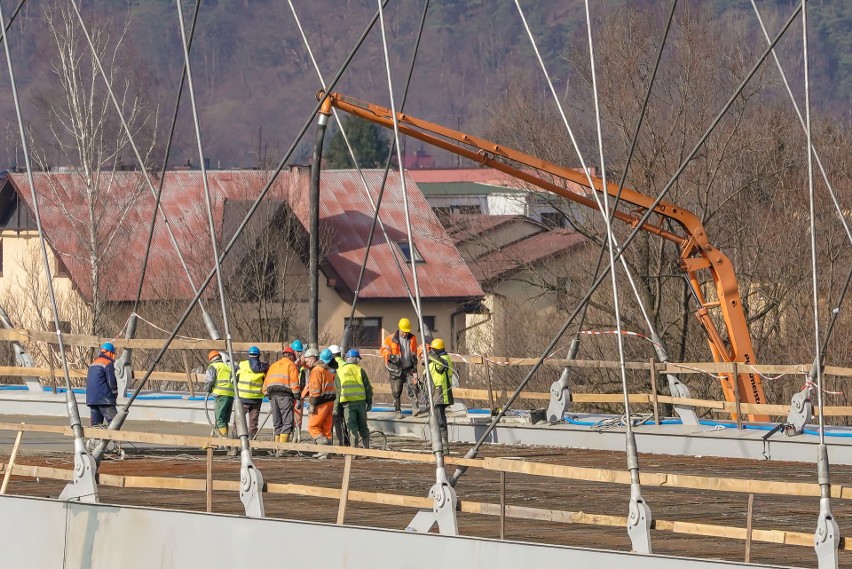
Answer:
(102, 413)
(252, 411)
(282, 413)
(441, 415)
(397, 382)
(340, 429)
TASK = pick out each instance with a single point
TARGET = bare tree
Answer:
(84, 130)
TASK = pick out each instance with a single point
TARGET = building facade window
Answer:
(367, 331)
(429, 322)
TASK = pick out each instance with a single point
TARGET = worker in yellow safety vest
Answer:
(250, 376)
(354, 398)
(441, 376)
(221, 386)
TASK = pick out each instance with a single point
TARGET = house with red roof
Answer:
(528, 272)
(265, 273)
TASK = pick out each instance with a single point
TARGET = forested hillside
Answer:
(256, 85)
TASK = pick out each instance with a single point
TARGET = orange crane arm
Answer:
(697, 254)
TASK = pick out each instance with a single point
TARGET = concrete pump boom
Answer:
(697, 254)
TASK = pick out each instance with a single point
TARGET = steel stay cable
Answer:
(119, 420)
(165, 162)
(601, 207)
(836, 311)
(437, 449)
(133, 146)
(804, 127)
(70, 397)
(242, 427)
(630, 152)
(812, 221)
(490, 428)
(608, 221)
(378, 205)
(374, 204)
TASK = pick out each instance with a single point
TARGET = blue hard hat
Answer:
(353, 353)
(254, 351)
(297, 346)
(326, 356)
(108, 347)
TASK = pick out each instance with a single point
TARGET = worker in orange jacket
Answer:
(400, 353)
(321, 396)
(281, 386)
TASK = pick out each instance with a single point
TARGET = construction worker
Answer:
(299, 348)
(101, 387)
(320, 396)
(338, 421)
(354, 398)
(250, 375)
(221, 386)
(441, 376)
(281, 386)
(400, 353)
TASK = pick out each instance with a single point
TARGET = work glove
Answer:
(394, 359)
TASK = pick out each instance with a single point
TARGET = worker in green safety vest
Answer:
(354, 398)
(250, 376)
(441, 375)
(219, 384)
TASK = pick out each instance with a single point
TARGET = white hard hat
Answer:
(311, 353)
(335, 349)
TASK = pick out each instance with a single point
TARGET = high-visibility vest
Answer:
(442, 380)
(283, 372)
(249, 383)
(223, 387)
(351, 383)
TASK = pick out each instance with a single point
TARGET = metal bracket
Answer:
(83, 487)
(639, 520)
(679, 390)
(826, 537)
(801, 411)
(123, 365)
(560, 398)
(251, 488)
(444, 503)
(22, 356)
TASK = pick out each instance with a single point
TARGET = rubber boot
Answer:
(365, 441)
(321, 440)
(282, 438)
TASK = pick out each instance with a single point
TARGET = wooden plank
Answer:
(749, 516)
(189, 379)
(502, 505)
(654, 400)
(609, 398)
(344, 490)
(12, 456)
(209, 480)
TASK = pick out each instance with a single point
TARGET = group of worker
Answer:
(335, 387)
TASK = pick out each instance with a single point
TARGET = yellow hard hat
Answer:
(405, 325)
(437, 344)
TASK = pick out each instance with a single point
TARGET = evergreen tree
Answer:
(368, 140)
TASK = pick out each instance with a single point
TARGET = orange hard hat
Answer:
(212, 355)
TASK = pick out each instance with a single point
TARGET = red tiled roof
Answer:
(344, 212)
(524, 253)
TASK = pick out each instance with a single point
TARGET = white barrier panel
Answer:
(43, 533)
